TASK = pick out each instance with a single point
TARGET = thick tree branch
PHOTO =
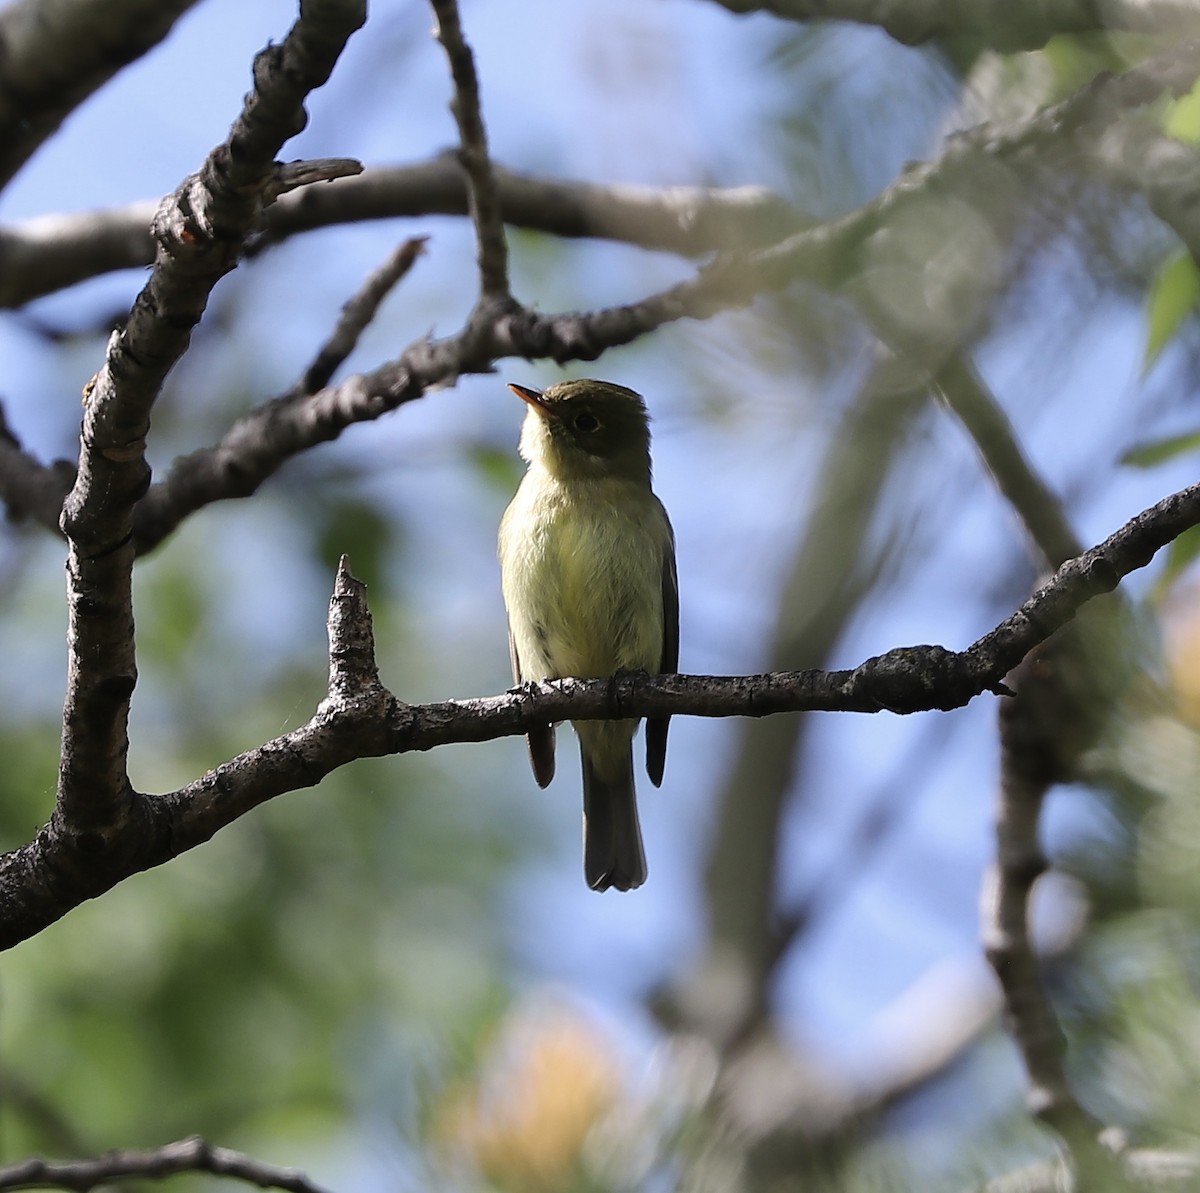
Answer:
(58, 52)
(58, 870)
(1002, 24)
(689, 220)
(187, 1155)
(482, 197)
(201, 230)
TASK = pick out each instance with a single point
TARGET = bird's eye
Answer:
(587, 423)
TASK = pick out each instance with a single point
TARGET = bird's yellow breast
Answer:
(582, 571)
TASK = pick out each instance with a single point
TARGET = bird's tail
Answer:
(612, 838)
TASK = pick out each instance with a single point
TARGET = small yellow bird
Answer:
(587, 561)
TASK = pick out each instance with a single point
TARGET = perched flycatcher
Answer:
(587, 559)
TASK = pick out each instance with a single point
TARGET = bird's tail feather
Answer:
(612, 838)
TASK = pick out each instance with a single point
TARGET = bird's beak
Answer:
(533, 397)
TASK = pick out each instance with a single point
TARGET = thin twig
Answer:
(481, 185)
(186, 1155)
(357, 314)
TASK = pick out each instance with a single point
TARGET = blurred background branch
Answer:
(1015, 26)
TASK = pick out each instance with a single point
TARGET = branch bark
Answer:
(201, 230)
(58, 52)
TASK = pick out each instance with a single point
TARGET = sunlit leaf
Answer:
(1173, 296)
(1148, 455)
(1182, 118)
(1181, 554)
(1074, 61)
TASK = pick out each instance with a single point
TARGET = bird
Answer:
(587, 562)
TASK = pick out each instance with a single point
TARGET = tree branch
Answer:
(200, 230)
(58, 52)
(186, 1155)
(58, 870)
(482, 198)
(1064, 692)
(1040, 511)
(29, 488)
(47, 254)
(1004, 25)
(1005, 908)
(43, 255)
(357, 314)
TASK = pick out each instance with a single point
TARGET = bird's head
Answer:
(586, 430)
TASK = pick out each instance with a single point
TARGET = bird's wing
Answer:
(513, 658)
(541, 738)
(656, 727)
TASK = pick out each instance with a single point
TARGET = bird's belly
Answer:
(593, 593)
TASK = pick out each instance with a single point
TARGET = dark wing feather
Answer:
(656, 727)
(541, 739)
